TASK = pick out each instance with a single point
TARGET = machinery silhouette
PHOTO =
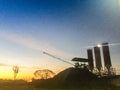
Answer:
(79, 62)
(58, 58)
(88, 63)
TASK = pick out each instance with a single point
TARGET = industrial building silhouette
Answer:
(94, 61)
(85, 72)
(108, 69)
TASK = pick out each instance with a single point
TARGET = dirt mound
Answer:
(75, 75)
(74, 78)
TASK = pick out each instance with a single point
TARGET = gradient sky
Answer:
(64, 28)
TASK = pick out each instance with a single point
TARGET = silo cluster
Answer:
(90, 58)
(96, 52)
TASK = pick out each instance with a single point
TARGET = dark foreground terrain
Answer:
(76, 78)
(21, 85)
(69, 79)
(28, 86)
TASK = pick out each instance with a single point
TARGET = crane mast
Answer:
(57, 58)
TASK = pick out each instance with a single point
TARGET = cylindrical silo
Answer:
(98, 58)
(90, 58)
(106, 55)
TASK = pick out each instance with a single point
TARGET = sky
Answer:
(64, 28)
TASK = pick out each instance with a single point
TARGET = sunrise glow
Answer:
(63, 28)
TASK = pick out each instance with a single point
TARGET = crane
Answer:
(57, 58)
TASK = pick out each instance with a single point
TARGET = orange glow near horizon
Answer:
(24, 73)
(7, 73)
(27, 74)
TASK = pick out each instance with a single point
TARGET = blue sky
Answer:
(64, 28)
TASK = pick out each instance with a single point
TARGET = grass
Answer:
(22, 85)
(30, 87)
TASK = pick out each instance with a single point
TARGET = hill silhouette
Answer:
(75, 75)
(74, 78)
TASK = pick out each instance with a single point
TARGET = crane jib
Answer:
(57, 58)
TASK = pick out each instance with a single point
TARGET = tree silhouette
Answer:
(44, 74)
(15, 70)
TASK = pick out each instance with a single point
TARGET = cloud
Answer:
(2, 64)
(33, 44)
(25, 67)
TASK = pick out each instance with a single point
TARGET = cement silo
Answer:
(106, 55)
(90, 58)
(98, 58)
